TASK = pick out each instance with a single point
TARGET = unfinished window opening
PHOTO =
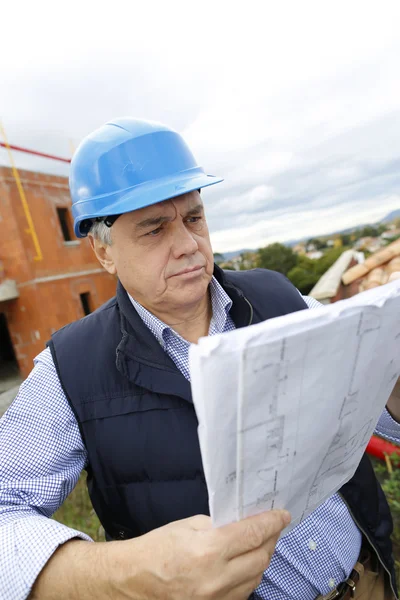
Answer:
(86, 302)
(63, 217)
(9, 371)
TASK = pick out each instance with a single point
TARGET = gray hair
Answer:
(100, 231)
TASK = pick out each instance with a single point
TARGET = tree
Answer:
(247, 260)
(307, 272)
(218, 258)
(369, 231)
(382, 227)
(306, 263)
(303, 279)
(317, 243)
(346, 238)
(276, 257)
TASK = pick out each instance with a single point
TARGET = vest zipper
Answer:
(370, 543)
(251, 311)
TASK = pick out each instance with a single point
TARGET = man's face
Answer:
(162, 253)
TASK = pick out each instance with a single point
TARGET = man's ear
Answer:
(103, 253)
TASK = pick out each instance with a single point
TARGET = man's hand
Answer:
(185, 559)
(393, 404)
(189, 559)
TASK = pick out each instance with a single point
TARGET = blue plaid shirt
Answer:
(42, 456)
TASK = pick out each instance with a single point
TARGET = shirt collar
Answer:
(221, 305)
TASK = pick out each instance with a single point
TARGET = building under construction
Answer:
(47, 277)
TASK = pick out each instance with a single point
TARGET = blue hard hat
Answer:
(127, 164)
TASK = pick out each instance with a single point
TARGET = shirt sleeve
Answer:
(388, 428)
(41, 458)
(311, 302)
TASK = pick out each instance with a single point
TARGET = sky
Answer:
(295, 104)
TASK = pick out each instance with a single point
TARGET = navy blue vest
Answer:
(138, 423)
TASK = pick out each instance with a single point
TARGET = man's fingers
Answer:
(251, 566)
(253, 532)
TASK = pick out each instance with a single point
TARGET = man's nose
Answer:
(183, 241)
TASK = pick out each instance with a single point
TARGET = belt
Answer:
(347, 589)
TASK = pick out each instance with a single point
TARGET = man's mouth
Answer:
(189, 270)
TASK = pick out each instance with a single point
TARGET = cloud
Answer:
(294, 104)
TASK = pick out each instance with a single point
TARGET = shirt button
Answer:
(331, 583)
(121, 534)
(312, 545)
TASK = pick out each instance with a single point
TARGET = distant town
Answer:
(304, 261)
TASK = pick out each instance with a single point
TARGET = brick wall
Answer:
(49, 289)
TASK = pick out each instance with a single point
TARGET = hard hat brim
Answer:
(143, 195)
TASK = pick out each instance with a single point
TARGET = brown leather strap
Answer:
(347, 589)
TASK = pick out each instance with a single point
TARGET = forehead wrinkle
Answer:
(195, 210)
(188, 211)
(152, 221)
(157, 219)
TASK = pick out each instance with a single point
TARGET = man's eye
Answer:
(154, 232)
(193, 219)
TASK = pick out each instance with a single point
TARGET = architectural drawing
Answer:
(302, 395)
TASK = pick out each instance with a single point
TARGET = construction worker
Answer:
(111, 395)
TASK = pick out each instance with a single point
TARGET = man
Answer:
(111, 394)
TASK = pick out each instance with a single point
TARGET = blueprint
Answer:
(287, 407)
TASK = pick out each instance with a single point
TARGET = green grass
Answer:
(389, 475)
(77, 512)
